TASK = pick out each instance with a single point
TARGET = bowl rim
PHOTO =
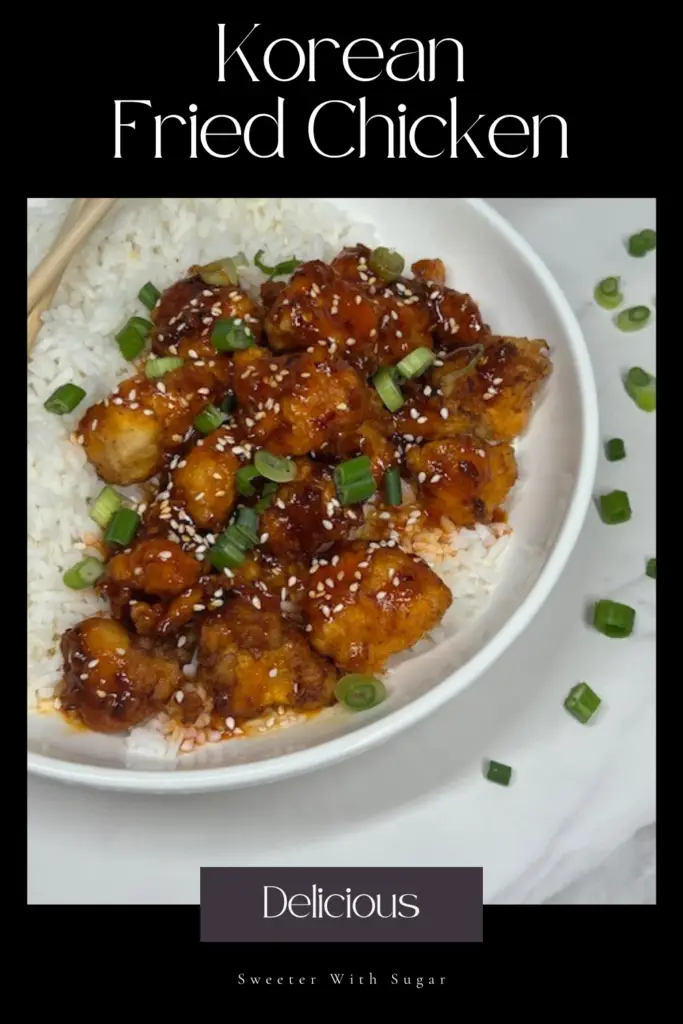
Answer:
(289, 765)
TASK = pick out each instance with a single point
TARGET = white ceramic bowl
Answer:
(558, 457)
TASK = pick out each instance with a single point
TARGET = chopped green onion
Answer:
(448, 380)
(607, 293)
(225, 554)
(614, 619)
(642, 388)
(83, 574)
(388, 389)
(222, 272)
(633, 319)
(386, 263)
(131, 338)
(244, 531)
(274, 467)
(360, 693)
(351, 470)
(651, 568)
(615, 508)
(209, 419)
(642, 243)
(107, 502)
(244, 476)
(231, 335)
(582, 702)
(415, 363)
(267, 495)
(393, 494)
(358, 491)
(615, 450)
(500, 773)
(149, 295)
(64, 399)
(122, 527)
(229, 404)
(155, 368)
(286, 267)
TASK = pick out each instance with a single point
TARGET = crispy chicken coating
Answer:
(109, 684)
(498, 391)
(204, 481)
(463, 478)
(367, 602)
(297, 403)
(128, 434)
(252, 660)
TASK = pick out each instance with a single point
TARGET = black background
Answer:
(608, 81)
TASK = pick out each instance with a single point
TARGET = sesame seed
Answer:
(165, 555)
(435, 479)
(182, 640)
(256, 602)
(381, 595)
(444, 414)
(94, 663)
(327, 524)
(199, 607)
(272, 673)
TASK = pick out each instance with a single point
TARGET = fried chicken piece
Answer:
(204, 481)
(498, 391)
(320, 308)
(297, 403)
(110, 684)
(306, 514)
(367, 602)
(190, 308)
(127, 436)
(252, 660)
(463, 478)
(369, 440)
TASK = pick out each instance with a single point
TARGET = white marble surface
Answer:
(577, 825)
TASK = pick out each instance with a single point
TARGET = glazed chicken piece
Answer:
(252, 660)
(455, 316)
(427, 414)
(319, 308)
(297, 403)
(203, 481)
(463, 478)
(128, 435)
(369, 440)
(186, 313)
(497, 391)
(109, 683)
(367, 602)
(405, 318)
(306, 514)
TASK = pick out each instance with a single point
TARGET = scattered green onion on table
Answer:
(633, 319)
(615, 508)
(582, 703)
(641, 386)
(642, 243)
(615, 450)
(607, 293)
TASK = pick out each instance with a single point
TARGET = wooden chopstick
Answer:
(34, 320)
(54, 263)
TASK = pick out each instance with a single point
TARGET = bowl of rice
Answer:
(499, 574)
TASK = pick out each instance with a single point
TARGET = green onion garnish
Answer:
(354, 480)
(244, 476)
(231, 335)
(615, 450)
(267, 495)
(244, 531)
(642, 388)
(149, 295)
(633, 319)
(415, 363)
(360, 693)
(613, 619)
(286, 267)
(122, 527)
(155, 368)
(388, 389)
(651, 568)
(642, 243)
(131, 338)
(224, 272)
(615, 508)
(83, 574)
(393, 494)
(500, 773)
(209, 419)
(64, 399)
(386, 263)
(274, 467)
(106, 504)
(229, 404)
(607, 293)
(225, 554)
(582, 702)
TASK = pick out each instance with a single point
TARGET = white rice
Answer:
(157, 240)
